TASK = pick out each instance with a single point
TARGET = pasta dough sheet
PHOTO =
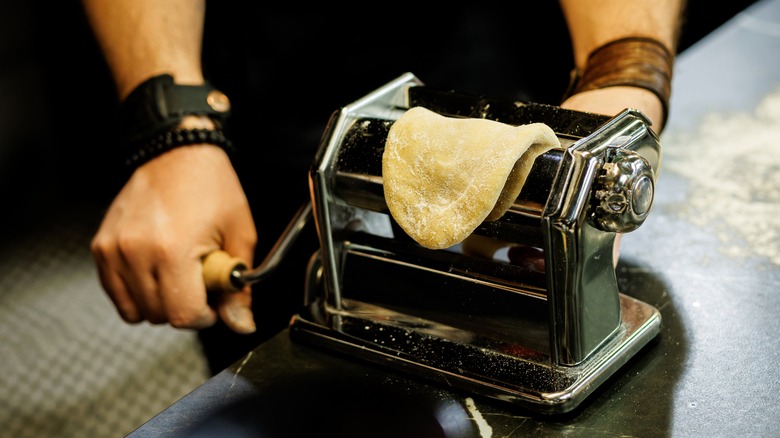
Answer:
(444, 176)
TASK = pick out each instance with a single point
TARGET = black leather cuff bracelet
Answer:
(150, 115)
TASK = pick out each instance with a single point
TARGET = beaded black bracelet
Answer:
(174, 138)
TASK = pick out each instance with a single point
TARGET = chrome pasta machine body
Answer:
(541, 338)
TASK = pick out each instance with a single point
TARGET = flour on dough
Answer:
(444, 176)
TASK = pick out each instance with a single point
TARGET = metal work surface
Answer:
(708, 257)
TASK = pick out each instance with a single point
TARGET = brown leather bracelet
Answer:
(632, 61)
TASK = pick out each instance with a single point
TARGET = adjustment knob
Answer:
(623, 192)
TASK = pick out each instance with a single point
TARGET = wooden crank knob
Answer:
(221, 272)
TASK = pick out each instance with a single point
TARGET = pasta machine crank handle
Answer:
(225, 273)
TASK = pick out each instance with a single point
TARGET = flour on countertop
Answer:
(732, 165)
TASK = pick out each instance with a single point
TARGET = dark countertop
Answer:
(708, 258)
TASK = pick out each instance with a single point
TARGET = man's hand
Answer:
(612, 100)
(172, 212)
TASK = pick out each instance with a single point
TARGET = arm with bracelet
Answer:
(183, 199)
(623, 57)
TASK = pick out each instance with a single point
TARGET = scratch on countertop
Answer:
(517, 427)
(238, 371)
(485, 431)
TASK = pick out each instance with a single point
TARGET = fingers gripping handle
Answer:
(225, 273)
(222, 272)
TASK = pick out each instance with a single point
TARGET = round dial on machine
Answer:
(623, 192)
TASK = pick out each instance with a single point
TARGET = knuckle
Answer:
(189, 320)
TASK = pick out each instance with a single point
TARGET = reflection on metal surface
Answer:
(544, 340)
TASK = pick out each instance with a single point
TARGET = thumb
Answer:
(235, 309)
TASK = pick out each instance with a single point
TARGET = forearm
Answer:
(185, 202)
(595, 22)
(633, 73)
(143, 38)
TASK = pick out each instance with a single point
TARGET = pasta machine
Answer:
(544, 335)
